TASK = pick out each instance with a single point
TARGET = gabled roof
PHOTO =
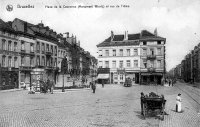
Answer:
(133, 39)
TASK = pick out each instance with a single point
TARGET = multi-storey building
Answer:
(152, 57)
(9, 57)
(38, 51)
(119, 58)
(30, 53)
(140, 56)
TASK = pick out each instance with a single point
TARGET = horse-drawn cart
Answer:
(152, 102)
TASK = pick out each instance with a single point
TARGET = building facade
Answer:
(139, 56)
(10, 58)
(32, 53)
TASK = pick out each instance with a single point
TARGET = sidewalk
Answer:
(11, 90)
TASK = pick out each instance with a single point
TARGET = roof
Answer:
(133, 39)
(5, 26)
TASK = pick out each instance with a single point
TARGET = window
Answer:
(158, 42)
(114, 64)
(100, 52)
(145, 63)
(9, 61)
(52, 49)
(151, 63)
(47, 48)
(31, 61)
(107, 52)
(3, 44)
(100, 64)
(22, 60)
(135, 52)
(51, 63)
(144, 52)
(55, 50)
(22, 45)
(120, 64)
(159, 64)
(121, 77)
(15, 46)
(38, 61)
(55, 62)
(144, 43)
(114, 52)
(38, 46)
(3, 61)
(116, 77)
(32, 48)
(58, 53)
(15, 62)
(128, 52)
(151, 51)
(43, 61)
(121, 52)
(128, 62)
(9, 46)
(159, 51)
(106, 64)
(43, 48)
(135, 63)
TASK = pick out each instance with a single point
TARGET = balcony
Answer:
(151, 57)
(11, 53)
(49, 53)
(151, 69)
(24, 52)
(25, 68)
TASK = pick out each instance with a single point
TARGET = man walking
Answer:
(93, 87)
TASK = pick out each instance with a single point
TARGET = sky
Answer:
(176, 20)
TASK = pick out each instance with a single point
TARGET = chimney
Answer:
(67, 34)
(112, 35)
(155, 32)
(126, 35)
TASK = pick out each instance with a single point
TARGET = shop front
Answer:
(151, 78)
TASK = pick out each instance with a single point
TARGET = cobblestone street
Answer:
(111, 106)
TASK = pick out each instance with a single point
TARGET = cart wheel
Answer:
(144, 110)
(163, 113)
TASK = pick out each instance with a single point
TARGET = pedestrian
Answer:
(169, 82)
(178, 103)
(52, 86)
(102, 84)
(141, 102)
(93, 87)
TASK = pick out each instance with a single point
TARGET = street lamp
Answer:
(64, 70)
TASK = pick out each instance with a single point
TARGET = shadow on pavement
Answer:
(177, 112)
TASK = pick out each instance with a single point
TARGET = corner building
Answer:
(139, 56)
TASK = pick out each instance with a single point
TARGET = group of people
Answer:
(169, 81)
(44, 87)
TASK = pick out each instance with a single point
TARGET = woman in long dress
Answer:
(178, 103)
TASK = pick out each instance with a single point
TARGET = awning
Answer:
(103, 76)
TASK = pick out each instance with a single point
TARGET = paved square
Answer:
(111, 106)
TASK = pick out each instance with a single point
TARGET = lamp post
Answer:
(64, 70)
